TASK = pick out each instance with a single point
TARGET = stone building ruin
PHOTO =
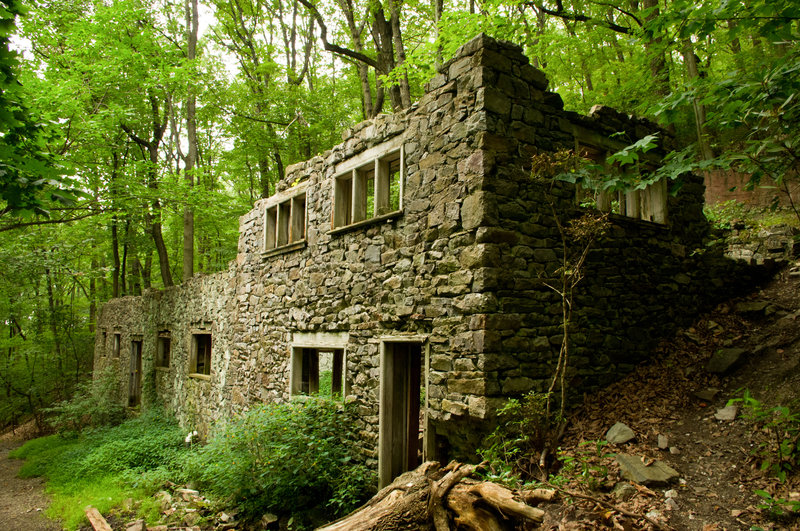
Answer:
(410, 258)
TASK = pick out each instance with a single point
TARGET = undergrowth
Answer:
(286, 458)
(104, 466)
(778, 452)
(731, 213)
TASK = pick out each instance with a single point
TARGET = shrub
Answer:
(95, 403)
(525, 429)
(779, 453)
(286, 458)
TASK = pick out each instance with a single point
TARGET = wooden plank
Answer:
(96, 519)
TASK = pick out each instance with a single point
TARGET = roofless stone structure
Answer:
(403, 270)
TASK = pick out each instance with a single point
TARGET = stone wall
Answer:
(459, 269)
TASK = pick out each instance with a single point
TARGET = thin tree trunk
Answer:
(690, 59)
(397, 40)
(191, 132)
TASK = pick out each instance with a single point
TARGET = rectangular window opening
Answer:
(371, 190)
(201, 354)
(285, 223)
(318, 371)
(163, 349)
(649, 203)
(116, 346)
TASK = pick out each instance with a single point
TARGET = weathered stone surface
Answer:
(707, 395)
(725, 359)
(656, 474)
(726, 413)
(619, 433)
(624, 491)
(752, 307)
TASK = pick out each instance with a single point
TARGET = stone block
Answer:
(657, 474)
(473, 210)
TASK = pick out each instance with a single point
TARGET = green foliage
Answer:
(780, 452)
(524, 430)
(584, 463)
(285, 458)
(95, 403)
(730, 213)
(778, 509)
(103, 467)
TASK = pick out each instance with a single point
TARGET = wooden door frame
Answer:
(384, 431)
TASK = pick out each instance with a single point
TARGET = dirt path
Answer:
(22, 501)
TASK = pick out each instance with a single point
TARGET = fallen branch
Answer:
(439, 490)
(611, 506)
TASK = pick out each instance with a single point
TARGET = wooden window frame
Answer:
(162, 360)
(304, 364)
(201, 368)
(366, 176)
(646, 204)
(285, 216)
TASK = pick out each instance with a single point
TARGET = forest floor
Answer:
(22, 501)
(718, 461)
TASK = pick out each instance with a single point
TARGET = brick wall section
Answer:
(461, 266)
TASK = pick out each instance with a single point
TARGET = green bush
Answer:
(95, 403)
(525, 429)
(780, 451)
(285, 458)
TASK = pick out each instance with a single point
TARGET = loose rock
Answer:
(726, 413)
(619, 433)
(724, 359)
(657, 474)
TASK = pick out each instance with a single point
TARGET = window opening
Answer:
(371, 189)
(104, 344)
(285, 222)
(318, 371)
(649, 203)
(201, 354)
(163, 350)
(116, 346)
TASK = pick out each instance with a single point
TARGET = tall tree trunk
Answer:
(51, 304)
(384, 45)
(690, 60)
(147, 271)
(115, 273)
(397, 40)
(191, 132)
(115, 291)
(659, 70)
(136, 276)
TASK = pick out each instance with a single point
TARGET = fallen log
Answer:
(503, 500)
(441, 498)
(96, 519)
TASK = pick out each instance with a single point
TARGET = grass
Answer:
(295, 459)
(726, 214)
(104, 467)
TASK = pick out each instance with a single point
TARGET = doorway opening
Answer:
(402, 408)
(135, 382)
